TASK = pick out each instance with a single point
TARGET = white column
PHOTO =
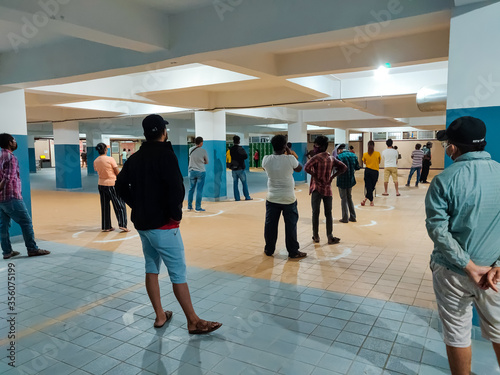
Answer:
(13, 122)
(212, 127)
(67, 155)
(340, 136)
(297, 135)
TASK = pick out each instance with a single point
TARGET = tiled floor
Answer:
(361, 307)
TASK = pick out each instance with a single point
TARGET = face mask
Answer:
(450, 154)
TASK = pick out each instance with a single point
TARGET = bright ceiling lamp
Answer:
(382, 71)
(123, 107)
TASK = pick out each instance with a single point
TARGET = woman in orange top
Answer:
(372, 161)
(108, 170)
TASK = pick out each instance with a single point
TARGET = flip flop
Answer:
(108, 230)
(385, 194)
(398, 195)
(204, 327)
(123, 229)
(363, 202)
(168, 315)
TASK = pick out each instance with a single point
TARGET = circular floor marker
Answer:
(374, 208)
(118, 239)
(373, 222)
(205, 214)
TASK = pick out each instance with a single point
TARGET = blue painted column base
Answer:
(301, 151)
(215, 181)
(32, 159)
(247, 161)
(181, 151)
(68, 169)
(92, 154)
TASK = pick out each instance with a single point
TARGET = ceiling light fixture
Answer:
(382, 71)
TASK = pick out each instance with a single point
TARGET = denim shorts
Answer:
(166, 245)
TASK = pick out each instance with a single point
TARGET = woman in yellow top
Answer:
(372, 161)
(107, 170)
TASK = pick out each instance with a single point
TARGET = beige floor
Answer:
(384, 255)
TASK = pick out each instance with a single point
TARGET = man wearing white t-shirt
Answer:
(281, 198)
(390, 156)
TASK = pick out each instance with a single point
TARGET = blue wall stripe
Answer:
(182, 152)
(68, 169)
(92, 154)
(301, 150)
(215, 182)
(490, 116)
(247, 161)
(32, 159)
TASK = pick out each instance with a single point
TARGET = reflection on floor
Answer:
(364, 306)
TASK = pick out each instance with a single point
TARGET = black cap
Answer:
(153, 125)
(465, 130)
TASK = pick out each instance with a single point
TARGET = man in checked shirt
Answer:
(323, 168)
(12, 206)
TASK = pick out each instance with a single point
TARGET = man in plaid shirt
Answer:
(12, 206)
(323, 168)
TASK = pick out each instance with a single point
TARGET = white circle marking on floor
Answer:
(197, 214)
(374, 208)
(119, 239)
(373, 222)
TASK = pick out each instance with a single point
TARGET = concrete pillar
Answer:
(297, 135)
(31, 153)
(366, 138)
(473, 74)
(340, 136)
(212, 127)
(13, 120)
(178, 138)
(93, 138)
(67, 155)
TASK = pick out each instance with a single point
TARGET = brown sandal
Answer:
(168, 315)
(203, 327)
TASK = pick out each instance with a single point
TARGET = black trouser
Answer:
(108, 193)
(426, 164)
(291, 216)
(316, 199)
(371, 178)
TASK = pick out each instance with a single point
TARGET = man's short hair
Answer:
(341, 146)
(389, 142)
(322, 142)
(278, 142)
(5, 140)
(351, 147)
(236, 139)
(418, 146)
(198, 140)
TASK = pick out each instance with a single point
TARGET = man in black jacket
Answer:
(151, 184)
(238, 157)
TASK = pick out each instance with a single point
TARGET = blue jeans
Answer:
(15, 209)
(291, 216)
(412, 170)
(240, 174)
(196, 178)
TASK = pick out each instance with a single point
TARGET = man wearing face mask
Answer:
(151, 184)
(12, 206)
(463, 221)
